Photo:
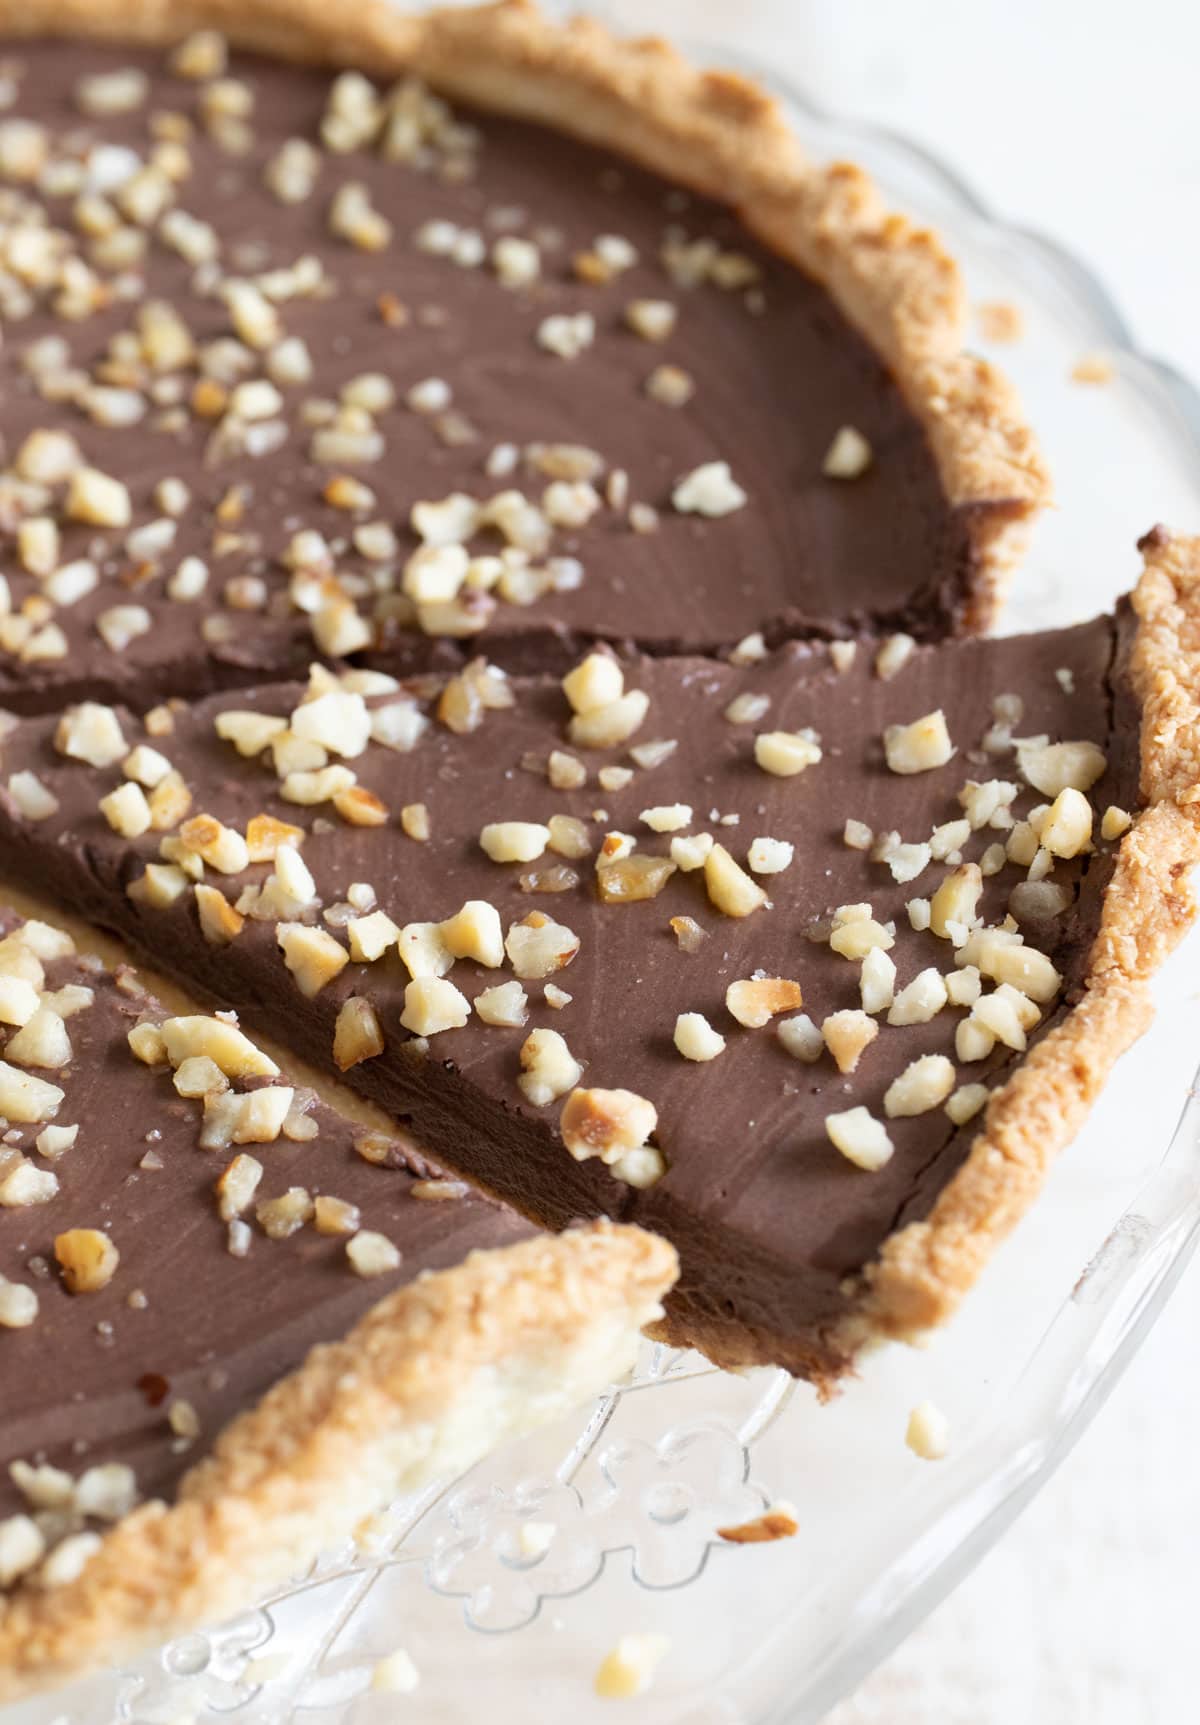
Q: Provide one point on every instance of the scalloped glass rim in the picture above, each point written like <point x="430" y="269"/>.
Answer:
<point x="657" y="1464"/>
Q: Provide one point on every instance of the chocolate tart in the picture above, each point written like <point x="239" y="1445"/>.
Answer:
<point x="271" y="1315"/>
<point x="300" y="363"/>
<point x="808" y="912"/>
<point x="493" y="548"/>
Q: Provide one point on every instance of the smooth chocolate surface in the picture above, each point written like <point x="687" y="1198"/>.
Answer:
<point x="769" y="1218"/>
<point x="775" y="371"/>
<point x="94" y="1378"/>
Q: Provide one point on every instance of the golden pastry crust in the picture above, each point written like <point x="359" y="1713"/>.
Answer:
<point x="714" y="131"/>
<point x="433" y="1377"/>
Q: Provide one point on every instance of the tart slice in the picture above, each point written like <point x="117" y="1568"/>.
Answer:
<point x="301" y="363"/>
<point x="809" y="961"/>
<point x="233" y="1320"/>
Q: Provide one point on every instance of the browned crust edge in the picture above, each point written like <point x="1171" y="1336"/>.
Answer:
<point x="432" y="1378"/>
<point x="714" y="131"/>
<point x="924" y="1270"/>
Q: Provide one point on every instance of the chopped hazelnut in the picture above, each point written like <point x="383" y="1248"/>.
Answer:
<point x="785" y="753"/>
<point x="920" y="746"/>
<point x="550" y="1069"/>
<point x="728" y="885"/>
<point x="22" y="1184"/>
<point x="801" y="1038"/>
<point x="708" y="490"/>
<point x="372" y="1254"/>
<point x="877" y="981"/>
<point x="625" y="876"/>
<point x="507" y="1004"/>
<point x="18" y="1309"/>
<point x="667" y="817"/>
<point x="356" y="1034"/>
<point x="92" y="733"/>
<point x="854" y="936"/>
<point x="221" y="847"/>
<point x="966" y="1102"/>
<point x="201" y="55"/>
<point x="928" y="1432"/>
<point x="147" y="1044"/>
<point x="963" y="987"/>
<point x="756" y="1001"/>
<point x="670" y="385"/>
<point x="311" y="954"/>
<point x="922" y="999"/>
<point x="237" y="1185"/>
<point x="227" y="1046"/>
<point x="54" y="1141"/>
<point x="431" y="1005"/>
<point x="609" y="1124"/>
<point x="19" y="1000"/>
<point x="219" y="921"/>
<point x="861" y="1138"/>
<point x="893" y="655"/>
<point x="280" y="1218"/>
<point x="956" y="900"/>
<point x="159" y="885"/>
<point x="1114" y="823"/>
<point x="265" y="836"/>
<point x="537" y="946"/>
<point x="514" y="841"/>
<point x="925" y="1083"/>
<point x="1008" y="960"/>
<point x="198" y="1075"/>
<point x="688" y="933"/>
<point x="695" y="1037"/>
<point x="1004" y="1016"/>
<point x="1067" y="828"/>
<point x="568" y="837"/>
<point x="33" y="800"/>
<point x="689" y="853"/>
<point x="475" y="932"/>
<point x="565" y="334"/>
<point x="359" y="807"/>
<point x="778" y="1522"/>
<point x="848" y="456"/>
<point x="652" y="319"/>
<point x="41" y="1041"/>
<point x="423" y="948"/>
<point x="1055" y="767"/>
<point x="169" y="802"/>
<point x="88" y="1259"/>
<point x="414" y="820"/>
<point x="628" y="1669"/>
<point x="335" y="1216"/>
<point x="847" y="1035"/>
<point x="97" y="499"/>
<point x="371" y="936"/>
<point x="606" y="726"/>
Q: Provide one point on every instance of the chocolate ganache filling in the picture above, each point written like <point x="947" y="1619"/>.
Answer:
<point x="279" y="349"/>
<point x="194" y="1324"/>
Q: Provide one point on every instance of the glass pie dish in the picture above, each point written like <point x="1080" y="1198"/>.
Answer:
<point x="521" y="1575"/>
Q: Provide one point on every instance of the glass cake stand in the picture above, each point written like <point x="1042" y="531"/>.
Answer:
<point x="636" y="1485"/>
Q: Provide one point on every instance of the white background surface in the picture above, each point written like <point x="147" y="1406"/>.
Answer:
<point x="1080" y="119"/>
